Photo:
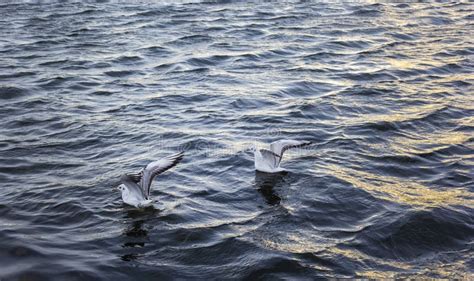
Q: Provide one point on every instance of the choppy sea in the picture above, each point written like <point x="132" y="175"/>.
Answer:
<point x="89" y="91"/>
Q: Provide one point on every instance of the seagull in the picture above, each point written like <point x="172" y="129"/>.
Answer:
<point x="268" y="161"/>
<point x="135" y="188"/>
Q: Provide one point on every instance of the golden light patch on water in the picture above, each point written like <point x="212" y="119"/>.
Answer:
<point x="455" y="270"/>
<point x="376" y="275"/>
<point x="466" y="121"/>
<point x="406" y="192"/>
<point x="408" y="114"/>
<point x="456" y="77"/>
<point x="361" y="257"/>
<point x="413" y="63"/>
<point x="404" y="64"/>
<point x="429" y="143"/>
<point x="419" y="63"/>
<point x="297" y="243"/>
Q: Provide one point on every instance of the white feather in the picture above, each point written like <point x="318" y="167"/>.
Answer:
<point x="135" y="188"/>
<point x="268" y="161"/>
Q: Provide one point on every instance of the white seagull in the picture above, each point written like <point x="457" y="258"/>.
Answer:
<point x="135" y="188"/>
<point x="268" y="161"/>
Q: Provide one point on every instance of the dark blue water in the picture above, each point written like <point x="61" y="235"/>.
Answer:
<point x="90" y="91"/>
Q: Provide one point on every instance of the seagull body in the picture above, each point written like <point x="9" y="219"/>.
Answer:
<point x="135" y="188"/>
<point x="268" y="161"/>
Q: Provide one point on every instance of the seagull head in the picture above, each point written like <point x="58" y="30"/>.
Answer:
<point x="122" y="188"/>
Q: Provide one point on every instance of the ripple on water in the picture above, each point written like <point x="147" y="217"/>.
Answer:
<point x="419" y="234"/>
<point x="11" y="92"/>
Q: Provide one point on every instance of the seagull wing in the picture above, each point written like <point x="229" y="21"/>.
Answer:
<point x="136" y="178"/>
<point x="131" y="182"/>
<point x="270" y="158"/>
<point x="155" y="168"/>
<point x="279" y="147"/>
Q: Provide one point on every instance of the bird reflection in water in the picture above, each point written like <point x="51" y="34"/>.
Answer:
<point x="135" y="235"/>
<point x="265" y="184"/>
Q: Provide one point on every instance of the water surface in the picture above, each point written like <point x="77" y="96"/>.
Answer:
<point x="90" y="91"/>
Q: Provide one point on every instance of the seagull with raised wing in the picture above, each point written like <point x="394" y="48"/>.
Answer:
<point x="135" y="188"/>
<point x="268" y="160"/>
